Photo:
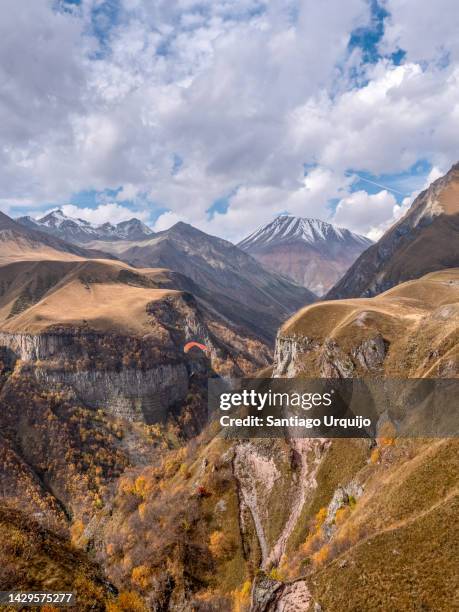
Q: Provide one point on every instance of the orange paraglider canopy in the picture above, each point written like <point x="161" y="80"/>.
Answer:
<point x="190" y="345"/>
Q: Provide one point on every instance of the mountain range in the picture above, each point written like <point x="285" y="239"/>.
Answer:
<point x="309" y="252"/>
<point x="114" y="483"/>
<point x="18" y="242"/>
<point x="424" y="240"/>
<point x="80" y="231"/>
<point x="224" y="276"/>
<point x="240" y="293"/>
<point x="313" y="253"/>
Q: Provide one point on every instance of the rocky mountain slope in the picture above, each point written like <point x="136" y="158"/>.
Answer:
<point x="288" y="524"/>
<point x="366" y="502"/>
<point x="216" y="524"/>
<point x="19" y="243"/>
<point x="424" y="240"/>
<point x="410" y="331"/>
<point x="114" y="485"/>
<point x="225" y="277"/>
<point x="79" y="231"/>
<point x="313" y="253"/>
<point x="50" y="308"/>
<point x="94" y="382"/>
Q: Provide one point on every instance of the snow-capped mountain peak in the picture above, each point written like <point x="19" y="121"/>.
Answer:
<point x="286" y="229"/>
<point x="133" y="229"/>
<point x="312" y="252"/>
<point x="77" y="230"/>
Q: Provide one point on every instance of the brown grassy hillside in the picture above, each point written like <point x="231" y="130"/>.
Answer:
<point x="112" y="297"/>
<point x="412" y="330"/>
<point x="105" y="295"/>
<point x="198" y="526"/>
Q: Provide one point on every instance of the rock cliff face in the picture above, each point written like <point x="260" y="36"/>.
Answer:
<point x="144" y="393"/>
<point x="130" y="394"/>
<point x="366" y="356"/>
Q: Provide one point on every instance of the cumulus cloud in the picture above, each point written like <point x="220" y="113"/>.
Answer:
<point x="367" y="214"/>
<point x="166" y="220"/>
<point x="246" y="94"/>
<point x="426" y="31"/>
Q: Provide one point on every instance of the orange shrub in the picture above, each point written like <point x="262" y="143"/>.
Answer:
<point x="241" y="597"/>
<point x="321" y="516"/>
<point x="342" y="514"/>
<point x="375" y="455"/>
<point x="77" y="534"/>
<point x="321" y="556"/>
<point x="312" y="543"/>
<point x="140" y="486"/>
<point x="221" y="545"/>
<point x="142" y="509"/>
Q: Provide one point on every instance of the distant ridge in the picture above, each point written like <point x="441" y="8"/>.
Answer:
<point x="227" y="278"/>
<point x="18" y="242"/>
<point x="80" y="231"/>
<point x="425" y="240"/>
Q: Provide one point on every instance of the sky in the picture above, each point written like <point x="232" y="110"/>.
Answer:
<point x="226" y="113"/>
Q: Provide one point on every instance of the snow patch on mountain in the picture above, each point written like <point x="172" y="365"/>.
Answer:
<point x="286" y="229"/>
<point x="79" y="230"/>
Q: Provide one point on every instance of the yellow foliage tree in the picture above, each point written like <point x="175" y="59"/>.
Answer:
<point x="321" y="516"/>
<point x="241" y="597"/>
<point x="127" y="601"/>
<point x="140" y="486"/>
<point x="312" y="542"/>
<point x="141" y="576"/>
<point x="142" y="509"/>
<point x="321" y="556"/>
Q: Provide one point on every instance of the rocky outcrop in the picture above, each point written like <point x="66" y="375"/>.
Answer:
<point x="264" y="593"/>
<point x="274" y="596"/>
<point x="332" y="361"/>
<point x="29" y="347"/>
<point x="344" y="495"/>
<point x="293" y="597"/>
<point x="288" y="350"/>
<point x="371" y="353"/>
<point x="259" y="470"/>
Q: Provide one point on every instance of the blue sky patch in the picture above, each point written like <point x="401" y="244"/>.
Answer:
<point x="367" y="38"/>
<point x="400" y="184"/>
<point x="220" y="206"/>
